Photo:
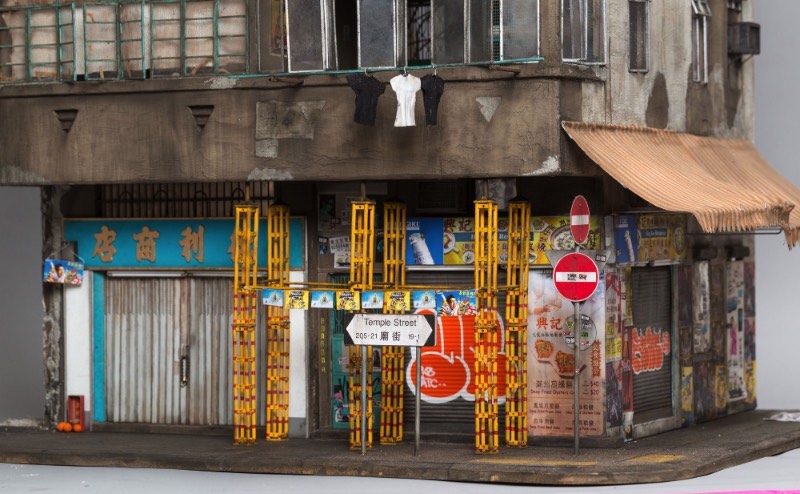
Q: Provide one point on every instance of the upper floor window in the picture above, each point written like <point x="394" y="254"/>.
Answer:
<point x="583" y="31"/>
<point x="393" y="33"/>
<point x="639" y="56"/>
<point x="700" y="14"/>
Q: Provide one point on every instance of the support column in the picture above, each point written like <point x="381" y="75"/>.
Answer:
<point x="392" y="358"/>
<point x="362" y="247"/>
<point x="516" y="337"/>
<point x="244" y="323"/>
<point x="486" y="327"/>
<point x="278" y="331"/>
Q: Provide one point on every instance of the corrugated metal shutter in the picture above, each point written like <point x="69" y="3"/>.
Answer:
<point x="652" y="307"/>
<point x="150" y="324"/>
<point x="458" y="415"/>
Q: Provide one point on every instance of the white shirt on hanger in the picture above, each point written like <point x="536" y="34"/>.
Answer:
<point x="406" y="87"/>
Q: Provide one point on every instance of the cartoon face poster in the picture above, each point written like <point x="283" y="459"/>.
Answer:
<point x="297" y="299"/>
<point x="348" y="300"/>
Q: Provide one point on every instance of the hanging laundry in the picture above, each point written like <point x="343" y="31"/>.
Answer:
<point x="432" y="89"/>
<point x="406" y="87"/>
<point x="368" y="89"/>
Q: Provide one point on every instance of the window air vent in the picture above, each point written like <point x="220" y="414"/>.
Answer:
<point x="440" y="196"/>
<point x="744" y="38"/>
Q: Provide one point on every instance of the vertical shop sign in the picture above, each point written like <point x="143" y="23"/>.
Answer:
<point x="551" y="363"/>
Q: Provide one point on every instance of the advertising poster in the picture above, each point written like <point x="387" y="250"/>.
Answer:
<point x="613" y="394"/>
<point x="720" y="390"/>
<point x="701" y="306"/>
<point x="685" y="295"/>
<point x="553" y="233"/>
<point x="424" y="241"/>
<point x="750" y="382"/>
<point x="459" y="241"/>
<point x="551" y="363"/>
<point x="272" y="297"/>
<point x="649" y="237"/>
<point x="348" y="300"/>
<point x="340" y="248"/>
<point x="397" y="301"/>
<point x="735" y="330"/>
<point x="703" y="391"/>
<point x="63" y="272"/>
<point x="613" y="316"/>
<point x="749" y="289"/>
<point x="323" y="299"/>
<point x="687" y="395"/>
<point x="296" y="299"/>
<point x="372" y="300"/>
<point x="457" y="303"/>
<point x="423" y="300"/>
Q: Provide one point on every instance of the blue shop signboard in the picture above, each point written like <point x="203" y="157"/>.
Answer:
<point x="169" y="243"/>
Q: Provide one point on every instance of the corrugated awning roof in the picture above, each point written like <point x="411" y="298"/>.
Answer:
<point x="725" y="183"/>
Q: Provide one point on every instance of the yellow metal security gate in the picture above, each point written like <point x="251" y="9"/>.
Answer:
<point x="168" y="351"/>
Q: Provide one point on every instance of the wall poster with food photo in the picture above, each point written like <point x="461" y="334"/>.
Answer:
<point x="551" y="362"/>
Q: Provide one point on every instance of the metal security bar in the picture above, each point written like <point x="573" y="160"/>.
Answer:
<point x="362" y="246"/>
<point x="519" y="234"/>
<point x="486" y="327"/>
<point x="124" y="40"/>
<point x="277" y="384"/>
<point x="245" y="306"/>
<point x="393" y="358"/>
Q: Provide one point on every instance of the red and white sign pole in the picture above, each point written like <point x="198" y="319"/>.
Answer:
<point x="576" y="277"/>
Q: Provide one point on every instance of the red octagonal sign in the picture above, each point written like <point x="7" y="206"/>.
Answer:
<point x="576" y="277"/>
<point x="579" y="220"/>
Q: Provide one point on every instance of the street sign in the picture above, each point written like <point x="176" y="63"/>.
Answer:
<point x="576" y="277"/>
<point x="390" y="329"/>
<point x="579" y="220"/>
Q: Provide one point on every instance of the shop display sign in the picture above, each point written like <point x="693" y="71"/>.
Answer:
<point x="553" y="233"/>
<point x="649" y="237"/>
<point x="169" y="244"/>
<point x="551" y="361"/>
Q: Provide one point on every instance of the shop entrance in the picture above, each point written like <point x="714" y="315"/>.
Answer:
<point x="168" y="351"/>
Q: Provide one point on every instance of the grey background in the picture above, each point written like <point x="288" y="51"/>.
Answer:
<point x="778" y="327"/>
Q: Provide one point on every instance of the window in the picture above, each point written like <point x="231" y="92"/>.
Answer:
<point x="393" y="33"/>
<point x="700" y="14"/>
<point x="639" y="36"/>
<point x="583" y="31"/>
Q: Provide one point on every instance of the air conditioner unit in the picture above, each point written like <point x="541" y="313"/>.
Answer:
<point x="744" y="38"/>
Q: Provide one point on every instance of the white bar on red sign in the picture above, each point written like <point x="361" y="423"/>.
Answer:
<point x="579" y="219"/>
<point x="576" y="277"/>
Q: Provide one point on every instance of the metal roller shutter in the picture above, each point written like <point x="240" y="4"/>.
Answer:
<point x="652" y="307"/>
<point x="456" y="415"/>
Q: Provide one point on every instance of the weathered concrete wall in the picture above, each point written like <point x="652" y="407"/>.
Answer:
<point x="492" y="127"/>
<point x="666" y="96"/>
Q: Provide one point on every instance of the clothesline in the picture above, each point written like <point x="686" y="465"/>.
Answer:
<point x="406" y="69"/>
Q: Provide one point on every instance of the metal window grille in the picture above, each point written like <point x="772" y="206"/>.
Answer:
<point x="124" y="40"/>
<point x="179" y="200"/>
<point x="419" y="32"/>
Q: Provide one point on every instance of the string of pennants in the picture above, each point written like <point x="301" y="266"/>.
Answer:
<point x="447" y="303"/>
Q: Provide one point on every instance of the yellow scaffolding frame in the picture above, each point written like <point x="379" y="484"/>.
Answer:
<point x="278" y="330"/>
<point x="392" y="358"/>
<point x="516" y="335"/>
<point x="486" y="327"/>
<point x="362" y="246"/>
<point x="245" y="272"/>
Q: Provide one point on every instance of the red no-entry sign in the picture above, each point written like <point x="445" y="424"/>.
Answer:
<point x="576" y="277"/>
<point x="579" y="220"/>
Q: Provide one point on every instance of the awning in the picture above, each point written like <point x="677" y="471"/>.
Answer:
<point x="725" y="183"/>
